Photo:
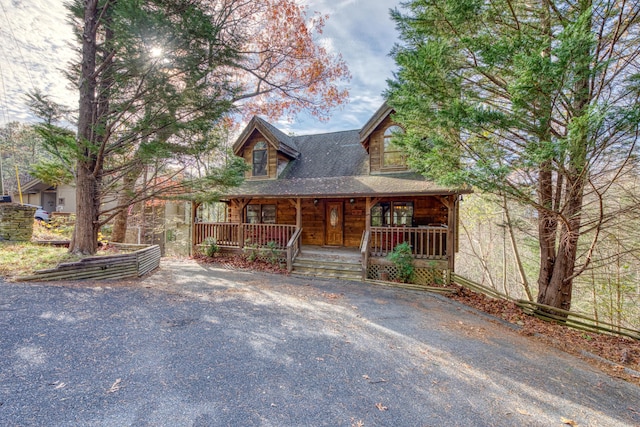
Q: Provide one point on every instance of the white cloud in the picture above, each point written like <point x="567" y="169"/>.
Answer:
<point x="35" y="37"/>
<point x="34" y="49"/>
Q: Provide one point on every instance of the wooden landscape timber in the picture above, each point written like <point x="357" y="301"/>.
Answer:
<point x="551" y="314"/>
<point x="121" y="266"/>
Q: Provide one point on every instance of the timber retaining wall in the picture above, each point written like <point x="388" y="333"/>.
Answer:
<point x="134" y="264"/>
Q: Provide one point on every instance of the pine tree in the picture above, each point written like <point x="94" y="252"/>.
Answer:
<point x="534" y="101"/>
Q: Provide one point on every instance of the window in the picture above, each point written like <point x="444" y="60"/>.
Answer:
<point x="261" y="214"/>
<point x="260" y="158"/>
<point x="392" y="155"/>
<point x="392" y="214"/>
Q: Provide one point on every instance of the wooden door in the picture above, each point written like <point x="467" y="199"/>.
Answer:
<point x="334" y="224"/>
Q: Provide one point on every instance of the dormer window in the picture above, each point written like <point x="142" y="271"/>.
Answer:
<point x="260" y="158"/>
<point x="392" y="155"/>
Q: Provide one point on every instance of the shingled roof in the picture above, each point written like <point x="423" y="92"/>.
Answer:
<point x="404" y="184"/>
<point x="328" y="155"/>
<point x="331" y="164"/>
<point x="281" y="141"/>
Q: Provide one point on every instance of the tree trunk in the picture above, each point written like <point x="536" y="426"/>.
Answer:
<point x="516" y="252"/>
<point x="85" y="234"/>
<point x="120" y="222"/>
<point x="558" y="290"/>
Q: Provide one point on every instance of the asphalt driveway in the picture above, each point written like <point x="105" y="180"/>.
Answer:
<point x="203" y="346"/>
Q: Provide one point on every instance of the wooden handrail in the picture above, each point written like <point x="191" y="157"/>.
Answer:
<point x="235" y="235"/>
<point x="365" y="247"/>
<point x="293" y="248"/>
<point x="425" y="242"/>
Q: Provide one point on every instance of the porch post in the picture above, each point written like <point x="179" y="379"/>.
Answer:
<point x="298" y="213"/>
<point x="367" y="215"/>
<point x="451" y="226"/>
<point x="241" y="203"/>
<point x="194" y="208"/>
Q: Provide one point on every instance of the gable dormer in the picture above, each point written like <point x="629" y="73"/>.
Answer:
<point x="376" y="136"/>
<point x="265" y="149"/>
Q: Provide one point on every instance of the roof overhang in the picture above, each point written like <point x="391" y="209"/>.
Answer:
<point x="342" y="187"/>
<point x="257" y="124"/>
<point x="383" y="112"/>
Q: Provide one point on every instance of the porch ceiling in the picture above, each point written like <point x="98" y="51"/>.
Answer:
<point x="343" y="186"/>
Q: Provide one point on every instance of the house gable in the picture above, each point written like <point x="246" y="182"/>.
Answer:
<point x="372" y="138"/>
<point x="280" y="148"/>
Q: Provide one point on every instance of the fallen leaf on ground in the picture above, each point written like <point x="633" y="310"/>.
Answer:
<point x="568" y="421"/>
<point x="381" y="407"/>
<point x="115" y="386"/>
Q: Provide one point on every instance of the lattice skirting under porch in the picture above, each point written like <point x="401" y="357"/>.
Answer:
<point x="422" y="275"/>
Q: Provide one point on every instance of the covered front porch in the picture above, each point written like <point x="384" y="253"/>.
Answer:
<point x="369" y="226"/>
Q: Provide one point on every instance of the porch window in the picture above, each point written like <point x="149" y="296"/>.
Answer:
<point x="261" y="214"/>
<point x="392" y="155"/>
<point x="392" y="214"/>
<point x="260" y="158"/>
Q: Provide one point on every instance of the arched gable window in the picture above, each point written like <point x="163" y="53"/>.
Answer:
<point x="260" y="158"/>
<point x="392" y="155"/>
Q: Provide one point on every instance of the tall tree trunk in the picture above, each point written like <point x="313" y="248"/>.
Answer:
<point x="557" y="292"/>
<point x="85" y="236"/>
<point x="120" y="222"/>
<point x="92" y="125"/>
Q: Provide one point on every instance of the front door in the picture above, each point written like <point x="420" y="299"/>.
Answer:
<point x="334" y="224"/>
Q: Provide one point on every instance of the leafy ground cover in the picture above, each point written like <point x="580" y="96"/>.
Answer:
<point x="19" y="258"/>
<point x="616" y="353"/>
<point x="620" y="352"/>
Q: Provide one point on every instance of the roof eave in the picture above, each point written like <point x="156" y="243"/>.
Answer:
<point x="382" y="113"/>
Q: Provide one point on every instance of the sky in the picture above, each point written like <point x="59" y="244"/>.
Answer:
<point x="35" y="47"/>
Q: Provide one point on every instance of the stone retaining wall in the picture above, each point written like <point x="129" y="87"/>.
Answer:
<point x="16" y="222"/>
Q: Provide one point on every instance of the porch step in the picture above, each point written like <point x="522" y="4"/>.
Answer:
<point x="333" y="269"/>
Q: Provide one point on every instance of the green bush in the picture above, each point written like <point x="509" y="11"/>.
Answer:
<point x="250" y="250"/>
<point x="211" y="247"/>
<point x="402" y="258"/>
<point x="270" y="252"/>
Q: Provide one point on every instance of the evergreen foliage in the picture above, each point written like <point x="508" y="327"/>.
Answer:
<point x="534" y="101"/>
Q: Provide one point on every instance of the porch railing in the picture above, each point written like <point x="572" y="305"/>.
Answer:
<point x="293" y="248"/>
<point x="225" y="234"/>
<point x="239" y="235"/>
<point x="425" y="242"/>
<point x="365" y="248"/>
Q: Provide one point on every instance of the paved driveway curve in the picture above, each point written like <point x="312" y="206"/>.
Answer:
<point x="196" y="345"/>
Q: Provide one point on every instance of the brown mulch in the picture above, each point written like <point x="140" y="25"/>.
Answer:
<point x="241" y="263"/>
<point x="620" y="352"/>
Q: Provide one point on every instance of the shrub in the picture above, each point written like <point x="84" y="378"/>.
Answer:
<point x="211" y="247"/>
<point x="402" y="258"/>
<point x="250" y="250"/>
<point x="270" y="252"/>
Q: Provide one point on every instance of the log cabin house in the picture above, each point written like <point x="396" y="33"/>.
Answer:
<point x="347" y="190"/>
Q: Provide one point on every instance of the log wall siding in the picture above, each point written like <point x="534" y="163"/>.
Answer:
<point x="426" y="210"/>
<point x="376" y="148"/>
<point x="272" y="161"/>
<point x="354" y="222"/>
